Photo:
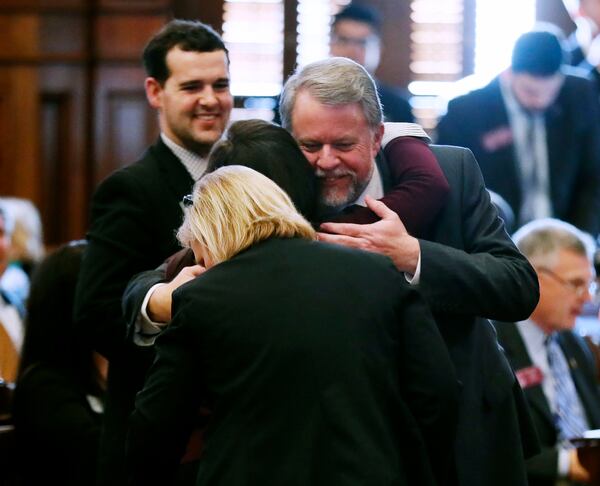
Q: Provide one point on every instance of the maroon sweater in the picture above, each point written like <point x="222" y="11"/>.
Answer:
<point x="419" y="191"/>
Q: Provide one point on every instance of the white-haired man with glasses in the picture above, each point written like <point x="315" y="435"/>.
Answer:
<point x="553" y="364"/>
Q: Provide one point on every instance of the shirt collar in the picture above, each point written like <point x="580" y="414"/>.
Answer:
<point x="532" y="333"/>
<point x="374" y="187"/>
<point x="194" y="164"/>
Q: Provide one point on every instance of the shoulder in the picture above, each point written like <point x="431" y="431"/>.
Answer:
<point x="473" y="98"/>
<point x="454" y="160"/>
<point x="146" y="166"/>
<point x="576" y="76"/>
<point x="578" y="87"/>
<point x="41" y="379"/>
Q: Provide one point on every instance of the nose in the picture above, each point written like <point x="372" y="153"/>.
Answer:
<point x="327" y="158"/>
<point x="207" y="97"/>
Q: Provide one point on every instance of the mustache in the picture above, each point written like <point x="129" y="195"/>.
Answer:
<point x="338" y="172"/>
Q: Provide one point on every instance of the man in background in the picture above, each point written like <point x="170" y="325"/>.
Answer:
<point x="466" y="267"/>
<point x="136" y="210"/>
<point x="11" y="312"/>
<point x="583" y="45"/>
<point x="535" y="131"/>
<point x="356" y="34"/>
<point x="553" y="364"/>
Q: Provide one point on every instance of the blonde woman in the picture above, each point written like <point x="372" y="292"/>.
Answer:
<point x="320" y="364"/>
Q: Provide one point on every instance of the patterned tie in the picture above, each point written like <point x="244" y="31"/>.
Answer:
<point x="569" y="416"/>
<point x="530" y="183"/>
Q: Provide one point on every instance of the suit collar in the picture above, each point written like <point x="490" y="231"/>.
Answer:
<point x="519" y="358"/>
<point x="384" y="171"/>
<point x="174" y="172"/>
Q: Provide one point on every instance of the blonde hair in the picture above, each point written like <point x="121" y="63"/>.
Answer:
<point x="235" y="207"/>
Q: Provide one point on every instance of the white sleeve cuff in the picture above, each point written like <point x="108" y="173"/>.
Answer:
<point x="146" y="330"/>
<point x="564" y="462"/>
<point x="416" y="277"/>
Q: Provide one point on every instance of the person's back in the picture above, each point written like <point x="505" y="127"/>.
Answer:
<point x="320" y="364"/>
<point x="308" y="379"/>
<point x="58" y="399"/>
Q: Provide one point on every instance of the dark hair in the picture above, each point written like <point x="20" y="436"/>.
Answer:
<point x="188" y="35"/>
<point x="359" y="13"/>
<point x="272" y="151"/>
<point x="50" y="337"/>
<point x="539" y="53"/>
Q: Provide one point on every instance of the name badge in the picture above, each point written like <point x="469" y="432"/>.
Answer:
<point x="497" y="139"/>
<point x="530" y="376"/>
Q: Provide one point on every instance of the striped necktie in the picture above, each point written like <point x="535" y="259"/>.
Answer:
<point x="569" y="416"/>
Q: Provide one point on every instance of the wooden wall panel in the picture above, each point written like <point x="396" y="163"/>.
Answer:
<point x="125" y="124"/>
<point x="63" y="37"/>
<point x="395" y="54"/>
<point x="65" y="188"/>
<point x="72" y="106"/>
<point x="56" y="137"/>
<point x="123" y="37"/>
<point x="19" y="37"/>
<point x="19" y="150"/>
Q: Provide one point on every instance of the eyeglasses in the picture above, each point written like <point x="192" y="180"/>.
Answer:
<point x="577" y="287"/>
<point x="353" y="41"/>
<point x="187" y="201"/>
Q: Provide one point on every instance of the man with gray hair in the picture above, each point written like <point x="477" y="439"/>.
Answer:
<point x="467" y="268"/>
<point x="11" y="309"/>
<point x="553" y="364"/>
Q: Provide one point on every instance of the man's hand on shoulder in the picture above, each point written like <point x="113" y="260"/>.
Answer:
<point x="159" y="304"/>
<point x="387" y="236"/>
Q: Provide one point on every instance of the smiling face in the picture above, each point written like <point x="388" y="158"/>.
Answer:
<point x="195" y="103"/>
<point x="339" y="144"/>
<point x="560" y="302"/>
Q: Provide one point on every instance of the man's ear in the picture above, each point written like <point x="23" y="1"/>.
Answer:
<point x="377" y="137"/>
<point x="153" y="92"/>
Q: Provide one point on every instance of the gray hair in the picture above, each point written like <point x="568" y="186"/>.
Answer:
<point x="334" y="81"/>
<point x="8" y="221"/>
<point x="542" y="239"/>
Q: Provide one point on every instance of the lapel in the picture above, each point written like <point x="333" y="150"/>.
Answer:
<point x="587" y="394"/>
<point x="518" y="356"/>
<point x="172" y="170"/>
<point x="384" y="171"/>
<point x="505" y="158"/>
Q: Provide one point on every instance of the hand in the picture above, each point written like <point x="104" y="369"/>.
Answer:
<point x="387" y="236"/>
<point x="159" y="304"/>
<point x="577" y="472"/>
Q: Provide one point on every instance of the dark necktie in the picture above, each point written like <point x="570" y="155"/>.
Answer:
<point x="530" y="175"/>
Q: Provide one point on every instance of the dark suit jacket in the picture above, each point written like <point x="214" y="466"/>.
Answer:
<point x="135" y="213"/>
<point x="317" y="360"/>
<point x="55" y="427"/>
<point x="396" y="107"/>
<point x="573" y="137"/>
<point x="577" y="59"/>
<point x="471" y="270"/>
<point x="467" y="244"/>
<point x="542" y="469"/>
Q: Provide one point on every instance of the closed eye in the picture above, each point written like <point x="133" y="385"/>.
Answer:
<point x="310" y="147"/>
